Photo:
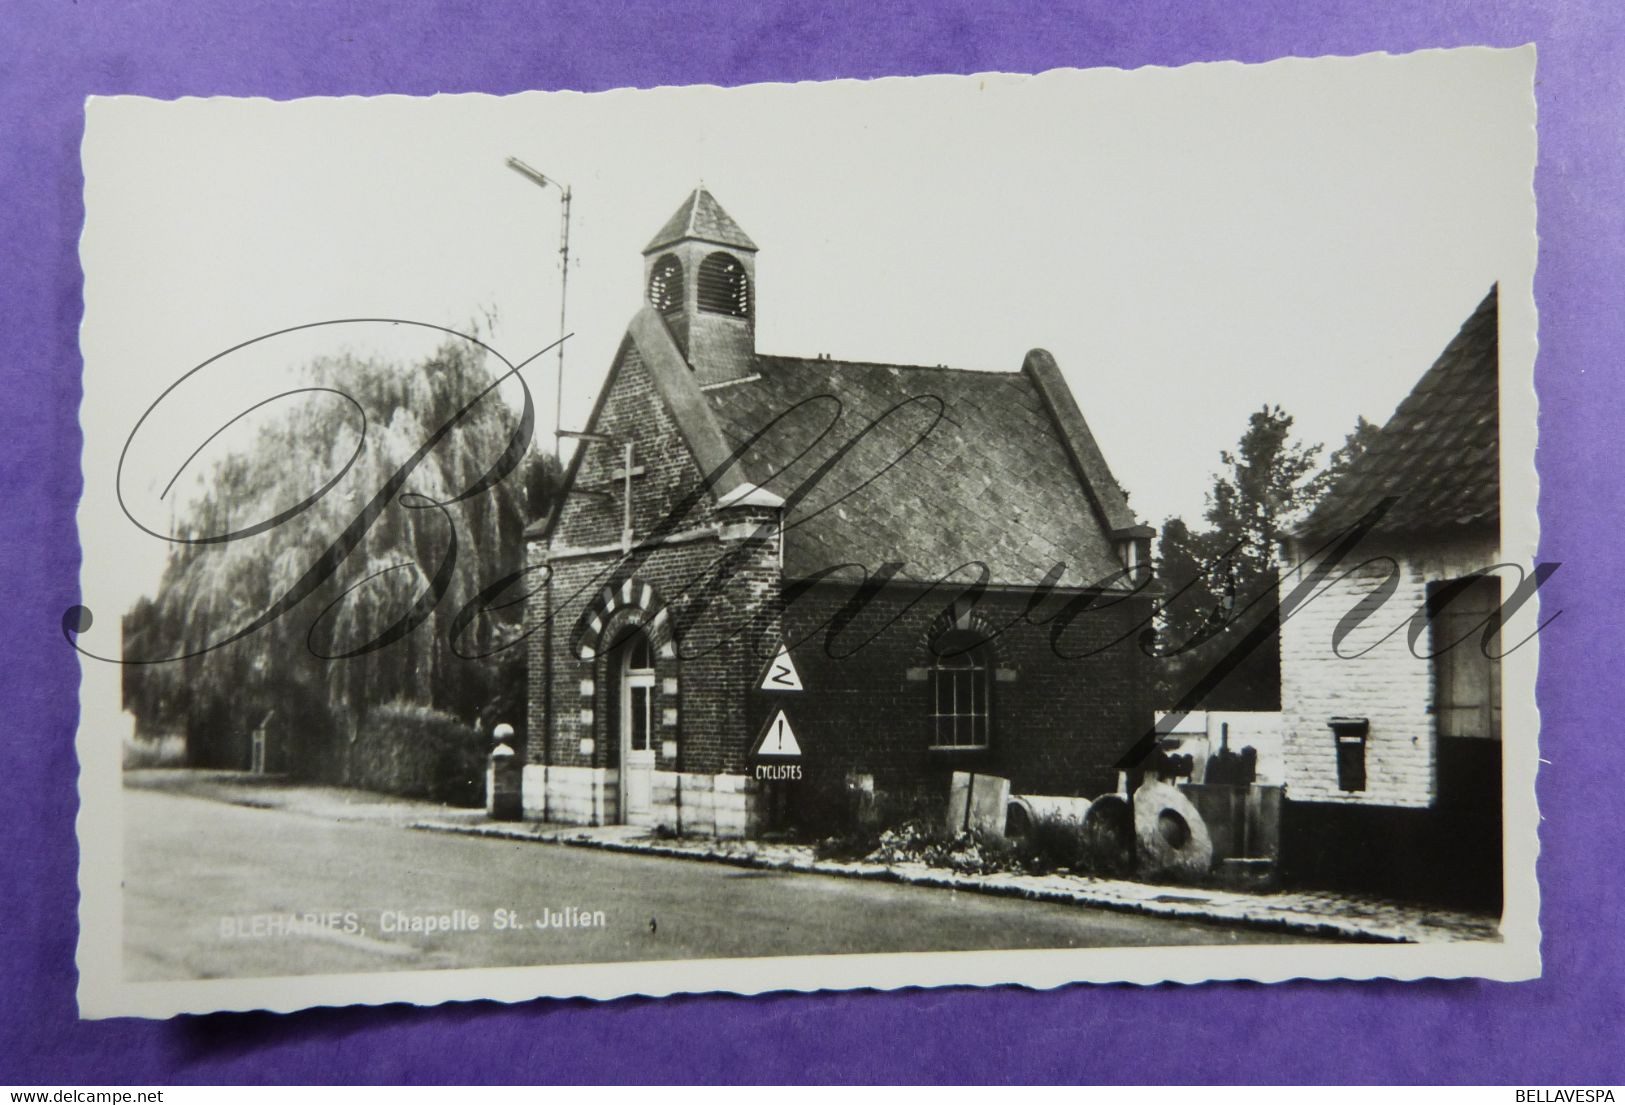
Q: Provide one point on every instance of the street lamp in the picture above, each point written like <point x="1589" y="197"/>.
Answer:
<point x="542" y="181"/>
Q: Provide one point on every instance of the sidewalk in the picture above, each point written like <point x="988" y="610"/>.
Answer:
<point x="1316" y="913"/>
<point x="1343" y="916"/>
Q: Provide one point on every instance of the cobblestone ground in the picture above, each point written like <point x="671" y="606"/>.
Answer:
<point x="1321" y="913"/>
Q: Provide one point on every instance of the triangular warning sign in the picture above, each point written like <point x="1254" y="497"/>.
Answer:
<point x="778" y="739"/>
<point x="781" y="673"/>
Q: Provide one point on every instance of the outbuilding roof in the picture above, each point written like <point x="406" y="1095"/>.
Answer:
<point x="1439" y="454"/>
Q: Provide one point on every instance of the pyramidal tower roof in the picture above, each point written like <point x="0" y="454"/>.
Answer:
<point x="701" y="217"/>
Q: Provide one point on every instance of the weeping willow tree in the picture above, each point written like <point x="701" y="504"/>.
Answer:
<point x="347" y="602"/>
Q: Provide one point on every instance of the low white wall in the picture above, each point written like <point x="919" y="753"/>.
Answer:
<point x="708" y="805"/>
<point x="1263" y="731"/>
<point x="1201" y="733"/>
<point x="570" y="795"/>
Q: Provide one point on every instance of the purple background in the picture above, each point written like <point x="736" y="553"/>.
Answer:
<point x="1563" y="1028"/>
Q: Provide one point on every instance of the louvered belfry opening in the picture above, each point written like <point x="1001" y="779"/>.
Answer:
<point x="723" y="286"/>
<point x="666" y="285"/>
<point x="699" y="273"/>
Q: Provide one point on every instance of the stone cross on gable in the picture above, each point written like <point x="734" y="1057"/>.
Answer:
<point x="625" y="473"/>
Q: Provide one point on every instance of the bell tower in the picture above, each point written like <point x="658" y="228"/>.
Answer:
<point x="699" y="272"/>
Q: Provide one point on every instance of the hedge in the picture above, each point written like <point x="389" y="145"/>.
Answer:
<point x="419" y="753"/>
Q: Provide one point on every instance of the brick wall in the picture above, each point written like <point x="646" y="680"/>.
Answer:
<point x="1058" y="724"/>
<point x="1382" y="680"/>
<point x="632" y="412"/>
<point x="713" y="589"/>
<point x="717" y="575"/>
<point x="538" y="655"/>
<point x="1060" y="721"/>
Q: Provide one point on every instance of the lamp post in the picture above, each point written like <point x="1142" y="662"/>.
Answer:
<point x="543" y="181"/>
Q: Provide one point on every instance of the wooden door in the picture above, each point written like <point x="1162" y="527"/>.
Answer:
<point x="637" y="730"/>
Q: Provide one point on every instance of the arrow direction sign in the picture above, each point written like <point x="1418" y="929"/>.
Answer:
<point x="778" y="739"/>
<point x="781" y="674"/>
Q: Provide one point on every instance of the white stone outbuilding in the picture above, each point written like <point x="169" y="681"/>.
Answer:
<point x="1392" y="730"/>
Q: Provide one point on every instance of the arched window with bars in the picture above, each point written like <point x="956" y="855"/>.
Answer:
<point x="961" y="682"/>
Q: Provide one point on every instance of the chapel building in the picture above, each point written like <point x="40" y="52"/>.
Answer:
<point x="784" y="592"/>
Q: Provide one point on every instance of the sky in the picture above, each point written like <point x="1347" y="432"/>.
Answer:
<point x="1189" y="243"/>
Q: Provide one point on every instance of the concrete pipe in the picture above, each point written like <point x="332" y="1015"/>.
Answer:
<point x="1170" y="837"/>
<point x="1108" y="835"/>
<point x="1026" y="810"/>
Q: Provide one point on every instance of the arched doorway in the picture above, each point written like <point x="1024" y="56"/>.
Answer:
<point x="625" y="634"/>
<point x="633" y="661"/>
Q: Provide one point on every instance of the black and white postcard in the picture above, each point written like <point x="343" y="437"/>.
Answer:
<point x="962" y="530"/>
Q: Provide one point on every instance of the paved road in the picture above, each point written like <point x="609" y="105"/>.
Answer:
<point x="207" y="885"/>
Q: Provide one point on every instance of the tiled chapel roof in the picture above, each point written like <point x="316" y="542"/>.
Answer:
<point x="960" y="467"/>
<point x="933" y="469"/>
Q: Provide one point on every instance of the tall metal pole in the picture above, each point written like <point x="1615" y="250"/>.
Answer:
<point x="543" y="181"/>
<point x="564" y="287"/>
